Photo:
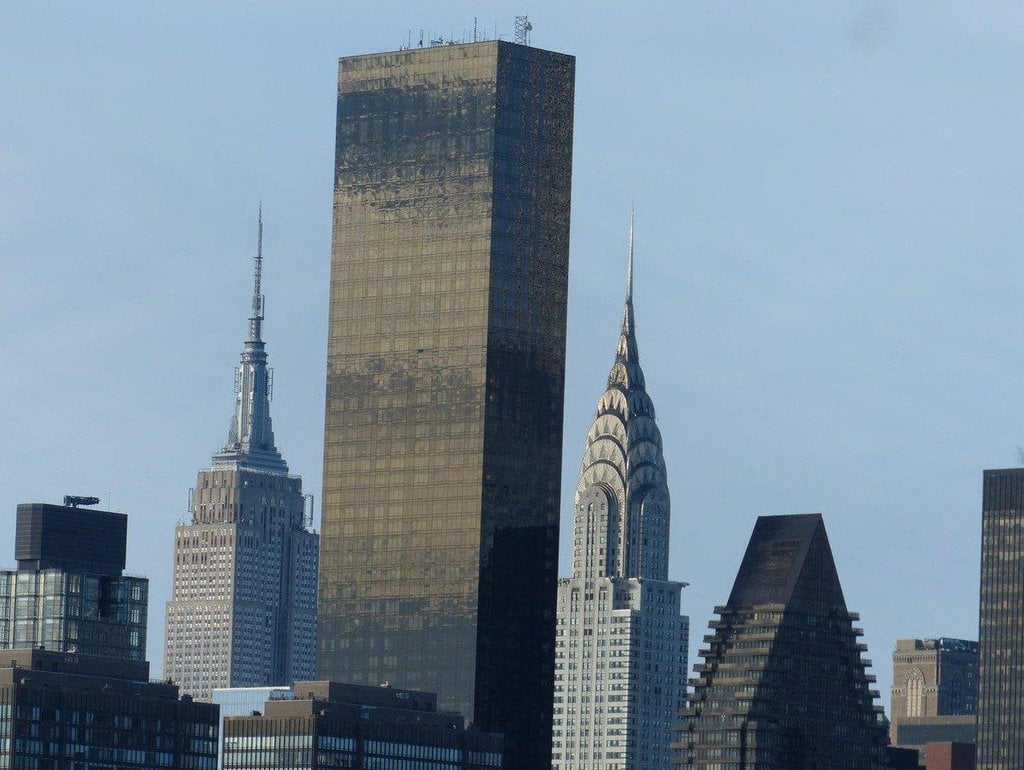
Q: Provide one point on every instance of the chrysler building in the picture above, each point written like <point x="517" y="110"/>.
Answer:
<point x="621" y="644"/>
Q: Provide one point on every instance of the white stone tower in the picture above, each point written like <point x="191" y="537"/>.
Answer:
<point x="621" y="644"/>
<point x="243" y="606"/>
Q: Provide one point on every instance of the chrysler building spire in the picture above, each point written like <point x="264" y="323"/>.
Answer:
<point x="622" y="501"/>
<point x="251" y="436"/>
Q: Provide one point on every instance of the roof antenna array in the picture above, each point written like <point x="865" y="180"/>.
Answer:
<point x="523" y="29"/>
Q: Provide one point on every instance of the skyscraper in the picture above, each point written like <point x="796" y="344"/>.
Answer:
<point x="783" y="685"/>
<point x="446" y="357"/>
<point x="243" y="606"/>
<point x="1001" y="626"/>
<point x="69" y="593"/>
<point x="621" y="644"/>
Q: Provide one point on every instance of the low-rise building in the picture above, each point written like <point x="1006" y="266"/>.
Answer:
<point x="63" y="710"/>
<point x="330" y="725"/>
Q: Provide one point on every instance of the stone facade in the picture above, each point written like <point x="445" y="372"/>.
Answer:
<point x="621" y="643"/>
<point x="243" y="606"/>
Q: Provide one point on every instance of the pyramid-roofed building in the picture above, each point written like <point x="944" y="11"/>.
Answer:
<point x="783" y="685"/>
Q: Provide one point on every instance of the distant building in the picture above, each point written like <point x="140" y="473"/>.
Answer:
<point x="445" y="380"/>
<point x="243" y="605"/>
<point x="65" y="710"/>
<point x="951" y="756"/>
<point x="69" y="593"/>
<point x="1001" y="623"/>
<point x="783" y="684"/>
<point x="620" y="642"/>
<point x="330" y="725"/>
<point x="245" y="701"/>
<point x="934" y="692"/>
<point x="932" y="677"/>
<point x="903" y="759"/>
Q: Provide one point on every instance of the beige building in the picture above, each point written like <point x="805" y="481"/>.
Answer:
<point x="934" y="691"/>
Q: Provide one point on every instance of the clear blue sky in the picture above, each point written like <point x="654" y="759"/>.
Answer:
<point x="828" y="287"/>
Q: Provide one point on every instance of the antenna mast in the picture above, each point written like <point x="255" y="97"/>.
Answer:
<point x="256" y="319"/>
<point x="523" y="29"/>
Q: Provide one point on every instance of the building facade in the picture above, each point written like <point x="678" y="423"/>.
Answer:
<point x="243" y="606"/>
<point x="934" y="692"/>
<point x="69" y="593"/>
<point x="446" y="357"/>
<point x="621" y="644"/>
<point x="783" y="685"/>
<point x="933" y="677"/>
<point x="330" y="725"/>
<point x="1001" y="622"/>
<point x="66" y="711"/>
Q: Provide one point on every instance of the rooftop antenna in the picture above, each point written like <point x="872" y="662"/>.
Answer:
<point x="257" y="296"/>
<point x="523" y="28"/>
<point x="474" y="29"/>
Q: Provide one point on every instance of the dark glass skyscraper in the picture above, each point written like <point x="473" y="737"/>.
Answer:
<point x="446" y="357"/>
<point x="783" y="685"/>
<point x="1001" y="627"/>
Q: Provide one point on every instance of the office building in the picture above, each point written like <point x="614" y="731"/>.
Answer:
<point x="329" y="725"/>
<point x="69" y="592"/>
<point x="78" y="712"/>
<point x="243" y="605"/>
<point x="621" y="644"/>
<point x="934" y="692"/>
<point x="783" y="684"/>
<point x="243" y="702"/>
<point x="445" y="371"/>
<point x="1001" y="623"/>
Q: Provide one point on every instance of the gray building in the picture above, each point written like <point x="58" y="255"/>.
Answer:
<point x="621" y="644"/>
<point x="69" y="593"/>
<point x="331" y="725"/>
<point x="243" y="606"/>
<point x="445" y="372"/>
<point x="1001" y="622"/>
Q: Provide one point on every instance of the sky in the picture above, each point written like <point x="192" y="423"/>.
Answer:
<point x="828" y="273"/>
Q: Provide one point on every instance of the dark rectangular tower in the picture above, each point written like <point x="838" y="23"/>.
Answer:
<point x="69" y="593"/>
<point x="446" y="358"/>
<point x="1001" y="627"/>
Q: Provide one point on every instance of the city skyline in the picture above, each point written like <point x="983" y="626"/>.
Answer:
<point x="900" y="390"/>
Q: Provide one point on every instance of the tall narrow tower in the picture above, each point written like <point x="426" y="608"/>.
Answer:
<point x="243" y="606"/>
<point x="621" y="644"/>
<point x="1001" y="622"/>
<point x="445" y="371"/>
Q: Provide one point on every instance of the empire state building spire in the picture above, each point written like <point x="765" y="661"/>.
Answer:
<point x="251" y="436"/>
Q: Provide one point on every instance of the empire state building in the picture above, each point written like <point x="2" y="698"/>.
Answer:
<point x="243" y="608"/>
